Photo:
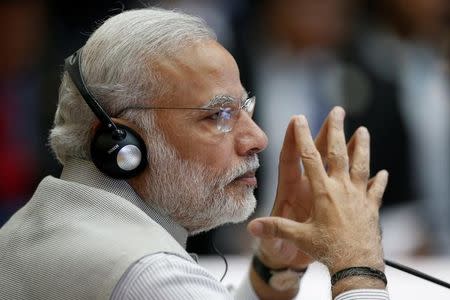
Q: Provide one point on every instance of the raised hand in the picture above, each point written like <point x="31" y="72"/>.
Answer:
<point x="293" y="201"/>
<point x="338" y="223"/>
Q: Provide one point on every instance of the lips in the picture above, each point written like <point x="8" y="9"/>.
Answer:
<point x="248" y="174"/>
<point x="248" y="178"/>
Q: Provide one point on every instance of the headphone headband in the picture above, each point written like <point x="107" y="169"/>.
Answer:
<point x="73" y="66"/>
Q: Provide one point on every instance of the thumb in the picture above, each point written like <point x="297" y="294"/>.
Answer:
<point x="277" y="227"/>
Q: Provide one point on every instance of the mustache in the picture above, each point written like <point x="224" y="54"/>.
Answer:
<point x="250" y="164"/>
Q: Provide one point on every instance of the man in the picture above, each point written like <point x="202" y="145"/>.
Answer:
<point x="163" y="77"/>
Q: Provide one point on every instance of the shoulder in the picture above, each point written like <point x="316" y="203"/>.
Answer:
<point x="168" y="276"/>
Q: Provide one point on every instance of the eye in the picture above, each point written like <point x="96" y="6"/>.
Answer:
<point x="214" y="115"/>
<point x="224" y="113"/>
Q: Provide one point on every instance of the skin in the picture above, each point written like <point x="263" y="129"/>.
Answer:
<point x="334" y="206"/>
<point x="200" y="73"/>
<point x="329" y="213"/>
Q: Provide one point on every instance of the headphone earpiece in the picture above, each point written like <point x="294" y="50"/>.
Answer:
<point x="116" y="150"/>
<point x="119" y="156"/>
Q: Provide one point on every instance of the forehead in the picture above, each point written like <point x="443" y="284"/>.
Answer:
<point x="199" y="73"/>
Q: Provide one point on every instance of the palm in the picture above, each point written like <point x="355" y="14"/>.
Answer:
<point x="293" y="202"/>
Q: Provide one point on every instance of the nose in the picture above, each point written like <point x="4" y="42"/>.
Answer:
<point x="250" y="139"/>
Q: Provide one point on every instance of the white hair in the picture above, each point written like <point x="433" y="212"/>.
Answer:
<point x="117" y="68"/>
<point x="200" y="198"/>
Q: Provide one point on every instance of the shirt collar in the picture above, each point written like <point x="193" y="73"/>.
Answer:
<point x="85" y="172"/>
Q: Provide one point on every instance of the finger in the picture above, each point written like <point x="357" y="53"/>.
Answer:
<point x="276" y="227"/>
<point x="321" y="140"/>
<point x="337" y="157"/>
<point x="351" y="149"/>
<point x="359" y="156"/>
<point x="377" y="186"/>
<point x="310" y="156"/>
<point x="289" y="170"/>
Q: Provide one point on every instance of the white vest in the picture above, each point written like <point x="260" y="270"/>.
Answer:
<point x="74" y="241"/>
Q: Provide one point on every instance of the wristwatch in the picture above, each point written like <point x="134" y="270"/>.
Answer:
<point x="279" y="279"/>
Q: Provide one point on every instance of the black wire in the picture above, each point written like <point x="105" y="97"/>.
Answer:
<point x="416" y="273"/>
<point x="213" y="245"/>
<point x="390" y="263"/>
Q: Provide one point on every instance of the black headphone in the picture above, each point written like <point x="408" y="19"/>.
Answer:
<point x="116" y="150"/>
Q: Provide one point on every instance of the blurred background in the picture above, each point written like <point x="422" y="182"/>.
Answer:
<point x="385" y="61"/>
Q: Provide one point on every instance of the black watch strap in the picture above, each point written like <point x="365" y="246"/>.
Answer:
<point x="265" y="273"/>
<point x="358" y="271"/>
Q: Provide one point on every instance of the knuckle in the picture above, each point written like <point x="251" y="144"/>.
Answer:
<point x="348" y="187"/>
<point x="337" y="153"/>
<point x="339" y="160"/>
<point x="334" y="153"/>
<point x="309" y="153"/>
<point x="360" y="168"/>
<point x="275" y="229"/>
<point x="377" y="192"/>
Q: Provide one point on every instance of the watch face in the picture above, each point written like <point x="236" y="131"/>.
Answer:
<point x="284" y="280"/>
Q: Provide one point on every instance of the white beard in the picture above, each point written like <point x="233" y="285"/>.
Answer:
<point x="191" y="194"/>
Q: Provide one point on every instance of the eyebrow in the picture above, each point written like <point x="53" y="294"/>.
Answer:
<point x="220" y="100"/>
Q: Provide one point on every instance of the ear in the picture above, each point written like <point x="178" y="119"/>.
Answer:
<point x="96" y="124"/>
<point x="127" y="124"/>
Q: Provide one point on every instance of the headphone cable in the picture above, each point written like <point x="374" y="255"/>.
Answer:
<point x="213" y="245"/>
<point x="416" y="273"/>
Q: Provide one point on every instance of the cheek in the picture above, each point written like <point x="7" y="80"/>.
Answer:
<point x="193" y="142"/>
<point x="216" y="156"/>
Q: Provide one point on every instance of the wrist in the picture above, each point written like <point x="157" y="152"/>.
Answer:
<point x="375" y="264"/>
<point x="356" y="282"/>
<point x="280" y="279"/>
<point x="265" y="291"/>
<point x="358" y="277"/>
<point x="370" y="258"/>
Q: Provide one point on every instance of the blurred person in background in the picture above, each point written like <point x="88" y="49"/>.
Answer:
<point x="397" y="84"/>
<point x="292" y="47"/>
<point x="38" y="34"/>
<point x="22" y="118"/>
<point x="217" y="13"/>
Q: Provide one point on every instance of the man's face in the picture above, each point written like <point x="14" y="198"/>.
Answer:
<point x="198" y="175"/>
